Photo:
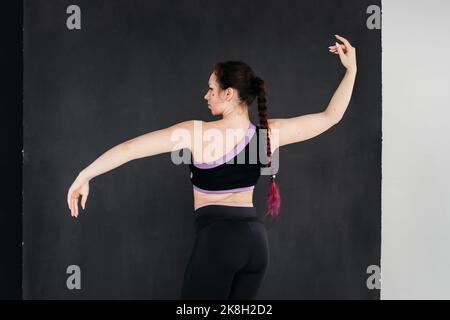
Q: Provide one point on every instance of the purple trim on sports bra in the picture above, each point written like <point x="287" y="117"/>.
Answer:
<point x="230" y="155"/>
<point x="224" y="191"/>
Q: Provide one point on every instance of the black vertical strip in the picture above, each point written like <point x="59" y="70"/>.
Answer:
<point x="11" y="146"/>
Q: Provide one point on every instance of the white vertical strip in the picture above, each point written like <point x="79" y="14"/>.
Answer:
<point x="415" y="258"/>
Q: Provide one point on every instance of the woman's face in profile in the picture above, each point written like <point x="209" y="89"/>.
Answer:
<point x="213" y="96"/>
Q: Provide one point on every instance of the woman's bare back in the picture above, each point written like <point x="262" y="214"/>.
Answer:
<point x="221" y="146"/>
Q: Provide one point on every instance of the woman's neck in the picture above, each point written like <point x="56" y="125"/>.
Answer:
<point x="237" y="115"/>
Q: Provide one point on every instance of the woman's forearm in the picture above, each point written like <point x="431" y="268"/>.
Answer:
<point x="341" y="97"/>
<point x="109" y="160"/>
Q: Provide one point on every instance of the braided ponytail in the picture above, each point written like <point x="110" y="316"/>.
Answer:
<point x="273" y="195"/>
<point x="239" y="75"/>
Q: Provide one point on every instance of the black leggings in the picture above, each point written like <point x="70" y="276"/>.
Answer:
<point x="230" y="254"/>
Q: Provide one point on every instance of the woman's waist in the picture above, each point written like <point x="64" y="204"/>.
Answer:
<point x="243" y="198"/>
<point x="235" y="196"/>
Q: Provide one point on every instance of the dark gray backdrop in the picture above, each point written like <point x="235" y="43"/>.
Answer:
<point x="139" y="66"/>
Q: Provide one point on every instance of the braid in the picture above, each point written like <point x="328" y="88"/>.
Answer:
<point x="262" y="112"/>
<point x="273" y="199"/>
<point x="239" y="75"/>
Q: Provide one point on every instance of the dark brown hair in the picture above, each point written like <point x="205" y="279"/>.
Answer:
<point x="238" y="75"/>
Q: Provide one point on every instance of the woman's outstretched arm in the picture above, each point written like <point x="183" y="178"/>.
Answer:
<point x="291" y="130"/>
<point x="169" y="139"/>
<point x="146" y="145"/>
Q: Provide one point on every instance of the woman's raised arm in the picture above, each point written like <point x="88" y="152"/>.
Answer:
<point x="291" y="130"/>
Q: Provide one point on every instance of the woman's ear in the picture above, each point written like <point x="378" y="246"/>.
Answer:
<point x="229" y="93"/>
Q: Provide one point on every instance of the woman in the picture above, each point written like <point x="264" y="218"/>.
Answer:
<point x="230" y="254"/>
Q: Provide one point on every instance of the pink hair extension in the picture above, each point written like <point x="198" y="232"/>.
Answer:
<point x="273" y="198"/>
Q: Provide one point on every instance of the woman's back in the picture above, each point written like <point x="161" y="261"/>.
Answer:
<point x="225" y="162"/>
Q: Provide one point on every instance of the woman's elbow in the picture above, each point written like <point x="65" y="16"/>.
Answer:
<point x="337" y="119"/>
<point x="334" y="118"/>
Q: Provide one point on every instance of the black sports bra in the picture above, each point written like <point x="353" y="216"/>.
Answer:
<point x="238" y="170"/>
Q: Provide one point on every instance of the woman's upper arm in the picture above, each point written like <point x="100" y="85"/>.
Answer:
<point x="296" y="129"/>
<point x="175" y="137"/>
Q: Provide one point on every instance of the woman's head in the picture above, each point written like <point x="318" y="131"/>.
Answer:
<point x="231" y="84"/>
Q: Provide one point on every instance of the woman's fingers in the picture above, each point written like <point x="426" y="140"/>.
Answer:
<point x="335" y="51"/>
<point x="73" y="198"/>
<point x="72" y="207"/>
<point x="346" y="52"/>
<point x="83" y="201"/>
<point x="68" y="198"/>
<point x="69" y="202"/>
<point x="334" y="48"/>
<point x="339" y="49"/>
<point x="345" y="41"/>
<point x="342" y="56"/>
<point x="75" y="204"/>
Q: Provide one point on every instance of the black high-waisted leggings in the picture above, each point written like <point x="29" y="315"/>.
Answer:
<point x="230" y="254"/>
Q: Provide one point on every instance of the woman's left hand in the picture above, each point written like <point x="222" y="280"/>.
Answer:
<point x="346" y="52"/>
<point x="80" y="187"/>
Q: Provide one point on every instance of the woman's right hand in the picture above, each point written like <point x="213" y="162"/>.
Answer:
<point x="346" y="52"/>
<point x="79" y="187"/>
